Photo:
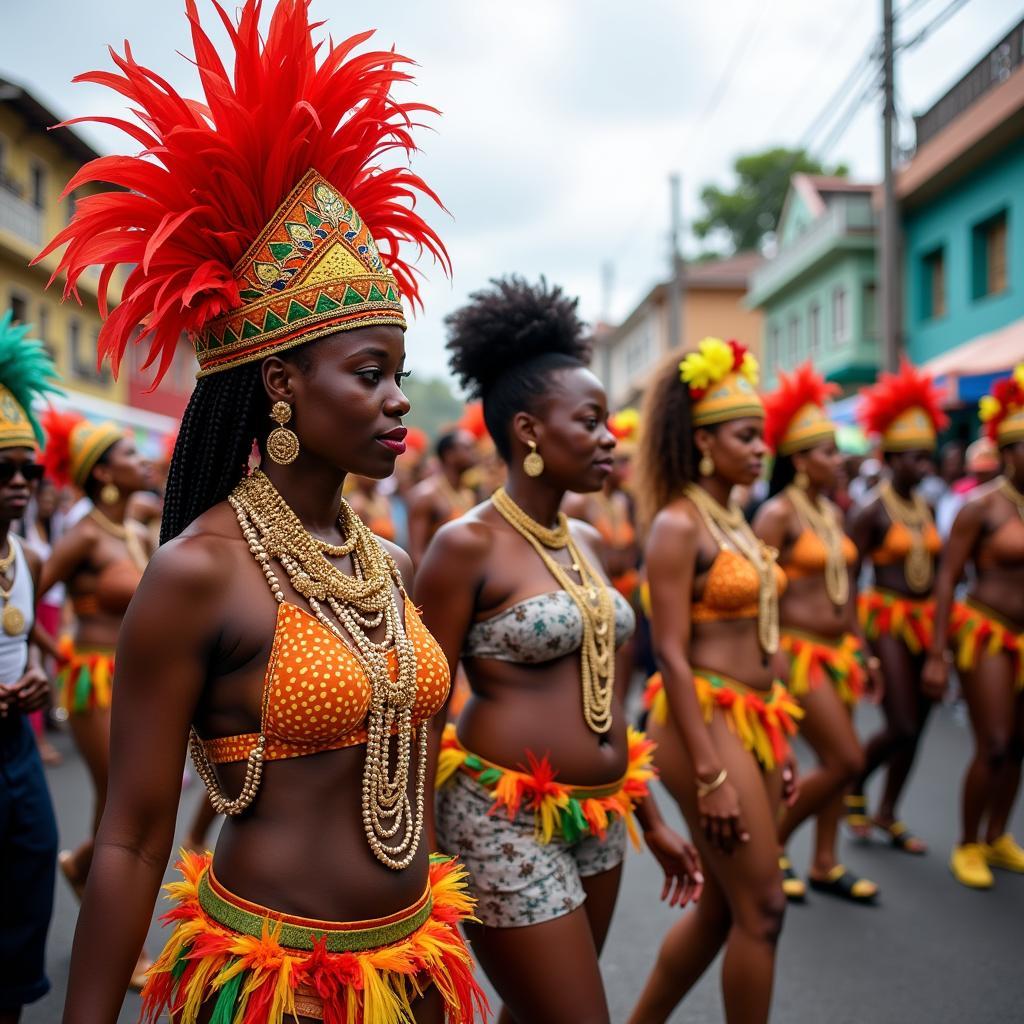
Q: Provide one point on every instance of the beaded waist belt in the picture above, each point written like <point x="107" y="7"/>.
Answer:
<point x="305" y="933"/>
<point x="911" y="619"/>
<point x="976" y="630"/>
<point x="569" y="812"/>
<point x="815" y="660"/>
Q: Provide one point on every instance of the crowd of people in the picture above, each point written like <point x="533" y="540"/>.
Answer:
<point x="415" y="680"/>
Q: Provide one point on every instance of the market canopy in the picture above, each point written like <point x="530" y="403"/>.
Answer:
<point x="968" y="371"/>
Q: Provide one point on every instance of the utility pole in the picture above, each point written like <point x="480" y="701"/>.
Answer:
<point x="676" y="338"/>
<point x="888" y="262"/>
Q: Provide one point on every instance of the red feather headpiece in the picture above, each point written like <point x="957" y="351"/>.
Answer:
<point x="903" y="410"/>
<point x="472" y="420"/>
<point x="74" y="445"/>
<point x="794" y="414"/>
<point x="259" y="217"/>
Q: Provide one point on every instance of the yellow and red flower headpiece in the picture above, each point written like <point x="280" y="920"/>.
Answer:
<point x="257" y="218"/>
<point x="722" y="377"/>
<point x="625" y="426"/>
<point x="74" y="445"/>
<point x="1002" y="411"/>
<point x="794" y="414"/>
<point x="902" y="410"/>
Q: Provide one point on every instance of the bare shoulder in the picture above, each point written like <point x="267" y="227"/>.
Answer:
<point x="575" y="505"/>
<point x="775" y="512"/>
<point x="468" y="538"/>
<point x="582" y="530"/>
<point x="402" y="560"/>
<point x="677" y="522"/>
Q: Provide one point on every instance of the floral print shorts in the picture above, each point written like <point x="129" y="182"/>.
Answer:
<point x="518" y="881"/>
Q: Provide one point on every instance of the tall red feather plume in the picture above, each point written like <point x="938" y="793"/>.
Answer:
<point x="1010" y="396"/>
<point x="56" y="457"/>
<point x="895" y="393"/>
<point x="211" y="173"/>
<point x="802" y="387"/>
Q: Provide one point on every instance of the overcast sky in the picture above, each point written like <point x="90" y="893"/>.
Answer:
<point x="562" y="118"/>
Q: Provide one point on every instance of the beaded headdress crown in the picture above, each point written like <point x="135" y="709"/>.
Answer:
<point x="27" y="373"/>
<point x="260" y="217"/>
<point x="1002" y="411"/>
<point x="722" y="377"/>
<point x="795" y="416"/>
<point x="903" y="410"/>
<point x="74" y="445"/>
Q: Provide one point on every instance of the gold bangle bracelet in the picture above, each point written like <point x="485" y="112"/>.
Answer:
<point x="707" y="788"/>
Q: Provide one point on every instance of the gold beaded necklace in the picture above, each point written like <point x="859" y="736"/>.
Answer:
<point x="593" y="598"/>
<point x="820" y="519"/>
<point x="915" y="517"/>
<point x="360" y="603"/>
<point x="730" y="529"/>
<point x="130" y="538"/>
<point x="12" y="619"/>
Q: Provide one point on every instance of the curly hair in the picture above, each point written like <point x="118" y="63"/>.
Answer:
<point x="667" y="455"/>
<point x="506" y="343"/>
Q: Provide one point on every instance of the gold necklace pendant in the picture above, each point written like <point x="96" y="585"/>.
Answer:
<point x="915" y="517"/>
<point x="820" y="520"/>
<point x="13" y="618"/>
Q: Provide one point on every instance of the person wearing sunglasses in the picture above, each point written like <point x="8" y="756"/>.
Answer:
<point x="28" y="840"/>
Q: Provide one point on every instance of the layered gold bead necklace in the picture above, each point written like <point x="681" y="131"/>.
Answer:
<point x="361" y="603"/>
<point x="915" y="517"/>
<point x="592" y="597"/>
<point x="820" y="520"/>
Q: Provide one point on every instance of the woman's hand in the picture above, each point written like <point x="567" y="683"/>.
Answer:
<point x="680" y="861"/>
<point x="874" y="688"/>
<point x="720" y="818"/>
<point x="31" y="692"/>
<point x="790" y="781"/>
<point x="935" y="676"/>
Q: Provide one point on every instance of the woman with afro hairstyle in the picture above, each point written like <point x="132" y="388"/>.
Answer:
<point x="539" y="783"/>
<point x="719" y="715"/>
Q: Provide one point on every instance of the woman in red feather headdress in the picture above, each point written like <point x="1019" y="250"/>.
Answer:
<point x="271" y="633"/>
<point x="818" y="613"/>
<point x="895" y="531"/>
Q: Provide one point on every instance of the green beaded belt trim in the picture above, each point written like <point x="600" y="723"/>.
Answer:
<point x="235" y="913"/>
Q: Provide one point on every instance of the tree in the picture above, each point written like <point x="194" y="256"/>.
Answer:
<point x="748" y="212"/>
<point x="434" y="407"/>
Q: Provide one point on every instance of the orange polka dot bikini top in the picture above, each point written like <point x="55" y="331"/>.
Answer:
<point x="898" y="541"/>
<point x="808" y="555"/>
<point x="732" y="589"/>
<point x="316" y="695"/>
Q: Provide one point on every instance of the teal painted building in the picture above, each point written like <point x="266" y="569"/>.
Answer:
<point x="818" y="294"/>
<point x="962" y="210"/>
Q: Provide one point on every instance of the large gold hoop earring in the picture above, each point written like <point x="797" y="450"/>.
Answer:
<point x="801" y="481"/>
<point x="533" y="464"/>
<point x="282" y="443"/>
<point x="707" y="465"/>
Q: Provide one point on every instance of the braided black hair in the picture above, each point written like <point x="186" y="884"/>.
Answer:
<point x="226" y="414"/>
<point x="506" y="343"/>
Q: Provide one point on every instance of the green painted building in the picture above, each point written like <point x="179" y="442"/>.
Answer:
<point x="818" y="293"/>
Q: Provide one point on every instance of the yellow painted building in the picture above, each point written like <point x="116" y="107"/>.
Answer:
<point x="35" y="165"/>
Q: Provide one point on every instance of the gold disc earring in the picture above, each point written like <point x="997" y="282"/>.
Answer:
<point x="533" y="464"/>
<point x="109" y="494"/>
<point x="801" y="480"/>
<point x="707" y="465"/>
<point x="282" y="443"/>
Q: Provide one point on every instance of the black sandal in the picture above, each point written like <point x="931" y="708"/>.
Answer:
<point x="846" y="885"/>
<point x="902" y="838"/>
<point x="792" y="884"/>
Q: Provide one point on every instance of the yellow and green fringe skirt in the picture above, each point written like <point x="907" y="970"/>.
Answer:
<point x="817" y="660"/>
<point x="762" y="720"/>
<point x="976" y="631"/>
<point x="84" y="677"/>
<point x="569" y="812"/>
<point x="257" y="966"/>
<point x="909" y="619"/>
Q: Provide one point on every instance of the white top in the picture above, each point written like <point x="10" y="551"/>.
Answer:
<point x="14" y="649"/>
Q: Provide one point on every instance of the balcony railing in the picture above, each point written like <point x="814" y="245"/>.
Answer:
<point x="21" y="218"/>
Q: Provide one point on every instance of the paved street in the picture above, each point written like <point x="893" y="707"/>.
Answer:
<point x="932" y="952"/>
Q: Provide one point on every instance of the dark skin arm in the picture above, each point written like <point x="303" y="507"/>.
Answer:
<point x="31" y="692"/>
<point x="671" y="560"/>
<point x="165" y="648"/>
<point x="422" y="519"/>
<point x="69" y="553"/>
<point x="963" y="538"/>
<point x="867" y="530"/>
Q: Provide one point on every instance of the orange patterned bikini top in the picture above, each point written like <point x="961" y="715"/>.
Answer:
<point x="315" y="694"/>
<point x="116" y="584"/>
<point x="808" y="555"/>
<point x="732" y="589"/>
<point x="898" y="541"/>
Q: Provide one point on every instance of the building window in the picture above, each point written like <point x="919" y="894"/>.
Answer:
<point x="871" y="310"/>
<point x="43" y="329"/>
<point x="38" y="185"/>
<point x="840" y="318"/>
<point x="83" y="355"/>
<point x="639" y="353"/>
<point x="773" y="348"/>
<point x="793" y="348"/>
<point x="19" y="308"/>
<point x="988" y="257"/>
<point x="933" y="284"/>
<point x="814" y="331"/>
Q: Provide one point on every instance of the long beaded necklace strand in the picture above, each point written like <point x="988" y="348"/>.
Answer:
<point x="12" y="619"/>
<point x="593" y="598"/>
<point x="730" y="528"/>
<point x="914" y="516"/>
<point x="819" y="519"/>
<point x="1007" y="489"/>
<point x="124" y="533"/>
<point x="361" y="603"/>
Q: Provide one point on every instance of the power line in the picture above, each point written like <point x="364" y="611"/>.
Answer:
<point x="937" y="21"/>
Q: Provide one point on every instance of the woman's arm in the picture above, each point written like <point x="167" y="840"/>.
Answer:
<point x="163" y="652"/>
<point x="68" y="554"/>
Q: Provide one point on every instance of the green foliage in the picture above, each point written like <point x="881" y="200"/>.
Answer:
<point x="748" y="212"/>
<point x="434" y="407"/>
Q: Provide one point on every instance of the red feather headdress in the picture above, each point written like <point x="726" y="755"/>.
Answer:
<point x="259" y="217"/>
<point x="903" y="410"/>
<point x="794" y="414"/>
<point x="1002" y="411"/>
<point x="74" y="445"/>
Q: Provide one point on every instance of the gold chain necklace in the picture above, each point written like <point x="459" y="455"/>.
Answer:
<point x="360" y="602"/>
<point x="7" y="560"/>
<point x="1007" y="489"/>
<point x="915" y="517"/>
<point x="730" y="528"/>
<point x="12" y="619"/>
<point x="593" y="598"/>
<point x="819" y="519"/>
<point x="124" y="533"/>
